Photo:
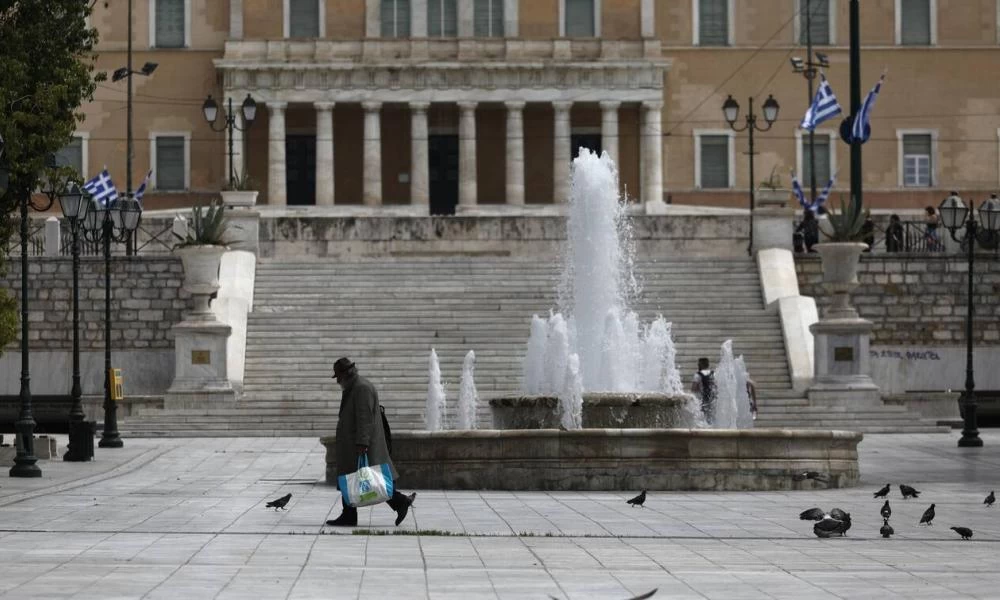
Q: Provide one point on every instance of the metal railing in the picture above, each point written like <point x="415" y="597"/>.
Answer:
<point x="153" y="237"/>
<point x="915" y="238"/>
<point x="36" y="241"/>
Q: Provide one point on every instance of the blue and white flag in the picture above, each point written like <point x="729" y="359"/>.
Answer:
<point x="142" y="187"/>
<point x="797" y="190"/>
<point x="861" y="129"/>
<point x="102" y="188"/>
<point x="825" y="193"/>
<point x="824" y="106"/>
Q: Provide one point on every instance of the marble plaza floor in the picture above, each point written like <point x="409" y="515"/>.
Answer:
<point x="185" y="518"/>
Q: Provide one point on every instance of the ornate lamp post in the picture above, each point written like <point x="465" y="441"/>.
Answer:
<point x="107" y="224"/>
<point x="954" y="215"/>
<point x="248" y="111"/>
<point x="731" y="111"/>
<point x="809" y="69"/>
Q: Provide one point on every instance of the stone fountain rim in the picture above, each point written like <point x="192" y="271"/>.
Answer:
<point x="752" y="433"/>
<point x="613" y="399"/>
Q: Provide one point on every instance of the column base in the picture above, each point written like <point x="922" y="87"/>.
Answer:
<point x="655" y="207"/>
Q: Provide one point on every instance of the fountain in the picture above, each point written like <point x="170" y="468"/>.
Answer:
<point x="602" y="405"/>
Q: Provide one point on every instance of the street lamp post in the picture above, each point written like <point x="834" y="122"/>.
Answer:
<point x="809" y="69"/>
<point x="25" y="459"/>
<point x="107" y="224"/>
<point x="731" y="111"/>
<point x="248" y="111"/>
<point x="954" y="215"/>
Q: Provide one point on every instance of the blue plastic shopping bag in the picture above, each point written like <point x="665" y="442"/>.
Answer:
<point x="368" y="485"/>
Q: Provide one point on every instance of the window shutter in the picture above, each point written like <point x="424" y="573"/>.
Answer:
<point x="714" y="161"/>
<point x="71" y="155"/>
<point x="442" y="18"/>
<point x="403" y="18"/>
<point x="496" y="14"/>
<point x="434" y="18"/>
<point x="488" y="18"/>
<point x="580" y="18"/>
<point x="821" y="151"/>
<point x="819" y="17"/>
<point x="450" y="10"/>
<point x="917" y="160"/>
<point x="170" y="163"/>
<point x="303" y="18"/>
<point x="915" y="22"/>
<point x="395" y="18"/>
<point x="169" y="23"/>
<point x="713" y="22"/>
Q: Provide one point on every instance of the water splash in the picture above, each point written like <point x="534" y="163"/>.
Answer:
<point x="727" y="389"/>
<point x="744" y="417"/>
<point x="436" y="401"/>
<point x="533" y="366"/>
<point x="468" y="398"/>
<point x="571" y="398"/>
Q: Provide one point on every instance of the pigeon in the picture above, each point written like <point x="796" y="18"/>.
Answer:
<point x="882" y="493"/>
<point x="965" y="532"/>
<point x="838" y="514"/>
<point x="928" y="516"/>
<point x="809" y="475"/>
<point x="845" y="524"/>
<point x="886" y="529"/>
<point x="638" y="500"/>
<point x="645" y="596"/>
<point x="279" y="503"/>
<point x="828" y="527"/>
<point x="908" y="492"/>
<point x="990" y="500"/>
<point x="813" y="514"/>
<point x="886" y="510"/>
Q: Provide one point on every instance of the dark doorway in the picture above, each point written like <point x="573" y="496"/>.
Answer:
<point x="443" y="166"/>
<point x="590" y="141"/>
<point x="300" y="169"/>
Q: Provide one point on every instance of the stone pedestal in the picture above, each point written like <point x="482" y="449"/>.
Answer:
<point x="773" y="220"/>
<point x="244" y="229"/>
<point x="200" y="372"/>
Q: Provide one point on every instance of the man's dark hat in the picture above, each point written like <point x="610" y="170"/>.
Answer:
<point x="342" y="366"/>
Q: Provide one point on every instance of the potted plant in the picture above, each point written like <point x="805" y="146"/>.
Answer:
<point x="843" y="230"/>
<point x="770" y="194"/>
<point x="201" y="251"/>
<point x="240" y="191"/>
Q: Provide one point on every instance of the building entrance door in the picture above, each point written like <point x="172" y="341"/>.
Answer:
<point x="443" y="167"/>
<point x="300" y="173"/>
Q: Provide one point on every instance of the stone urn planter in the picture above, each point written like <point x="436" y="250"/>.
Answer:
<point x="773" y="198"/>
<point x="239" y="198"/>
<point x="201" y="272"/>
<point x="840" y="276"/>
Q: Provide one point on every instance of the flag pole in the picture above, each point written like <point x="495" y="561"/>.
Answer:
<point x="855" y="60"/>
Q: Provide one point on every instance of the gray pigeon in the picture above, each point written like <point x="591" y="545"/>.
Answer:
<point x="828" y="527"/>
<point x="886" y="529"/>
<point x="845" y="524"/>
<point x="965" y="532"/>
<point x="809" y="475"/>
<point x="638" y="500"/>
<point x="279" y="503"/>
<point x="908" y="492"/>
<point x="928" y="516"/>
<point x="838" y="514"/>
<point x="882" y="493"/>
<point x="813" y="514"/>
<point x="886" y="510"/>
<point x="990" y="500"/>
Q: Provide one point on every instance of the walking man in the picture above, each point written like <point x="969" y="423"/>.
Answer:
<point x="359" y="432"/>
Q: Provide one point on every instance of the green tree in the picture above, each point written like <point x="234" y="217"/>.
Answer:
<point x="46" y="74"/>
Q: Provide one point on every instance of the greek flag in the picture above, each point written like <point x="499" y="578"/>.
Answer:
<point x="825" y="193"/>
<point x="797" y="190"/>
<point x="861" y="128"/>
<point x="819" y="200"/>
<point x="824" y="106"/>
<point x="102" y="188"/>
<point x="142" y="187"/>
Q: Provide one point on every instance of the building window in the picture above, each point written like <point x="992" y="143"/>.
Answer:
<point x="580" y="18"/>
<point x="170" y="162"/>
<point x="713" y="161"/>
<point x="303" y="18"/>
<point x="395" y="18"/>
<point x="71" y="155"/>
<point x="917" y="163"/>
<point x="442" y="18"/>
<point x="818" y="12"/>
<point x="169" y="18"/>
<point x="914" y="19"/>
<point x="822" y="156"/>
<point x="488" y="17"/>
<point x="713" y="22"/>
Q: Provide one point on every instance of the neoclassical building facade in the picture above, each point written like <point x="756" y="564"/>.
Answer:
<point x="473" y="106"/>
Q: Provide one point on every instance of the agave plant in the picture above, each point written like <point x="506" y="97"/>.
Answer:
<point x="847" y="224"/>
<point x="239" y="183"/>
<point x="206" y="228"/>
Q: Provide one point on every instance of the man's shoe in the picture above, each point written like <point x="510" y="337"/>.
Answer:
<point x="402" y="511"/>
<point x="344" y="520"/>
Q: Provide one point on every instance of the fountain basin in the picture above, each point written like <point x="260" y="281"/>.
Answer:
<point x="632" y="410"/>
<point x="620" y="459"/>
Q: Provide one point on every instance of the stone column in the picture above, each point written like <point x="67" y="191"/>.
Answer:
<point x="324" y="154"/>
<point x="609" y="128"/>
<point x="648" y="18"/>
<point x="372" y="194"/>
<point x="561" y="154"/>
<point x="235" y="19"/>
<point x="467" y="154"/>
<point x="239" y="165"/>
<point x="277" y="189"/>
<point x="652" y="134"/>
<point x="465" y="17"/>
<point x="515" y="153"/>
<point x="420" y="191"/>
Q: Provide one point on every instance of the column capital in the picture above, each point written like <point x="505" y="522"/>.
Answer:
<point x="371" y="106"/>
<point x="420" y="106"/>
<point x="515" y="104"/>
<point x="610" y="104"/>
<point x="323" y="106"/>
<point x="467" y="105"/>
<point x="652" y="104"/>
<point x="276" y="106"/>
<point x="562" y="106"/>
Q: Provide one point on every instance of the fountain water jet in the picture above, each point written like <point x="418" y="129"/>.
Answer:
<point x="467" y="395"/>
<point x="436" y="402"/>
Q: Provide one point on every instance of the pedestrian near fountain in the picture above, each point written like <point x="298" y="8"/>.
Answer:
<point x="360" y="432"/>
<point x="752" y="395"/>
<point x="703" y="386"/>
